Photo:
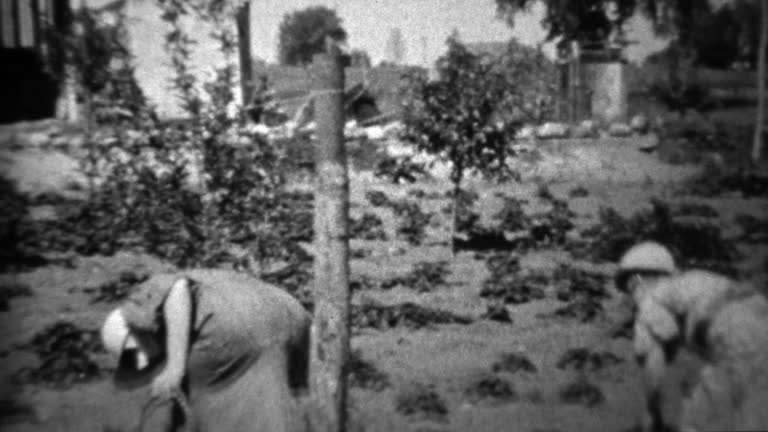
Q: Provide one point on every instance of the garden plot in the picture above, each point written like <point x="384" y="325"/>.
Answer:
<point x="428" y="355"/>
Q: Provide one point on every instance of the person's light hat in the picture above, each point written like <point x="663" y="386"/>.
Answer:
<point x="648" y="256"/>
<point x="645" y="257"/>
<point x="118" y="339"/>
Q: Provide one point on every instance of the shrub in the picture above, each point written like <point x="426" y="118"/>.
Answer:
<point x="399" y="169"/>
<point x="513" y="363"/>
<point x="421" y="401"/>
<point x="368" y="227"/>
<point x="413" y="221"/>
<point x="424" y="277"/>
<point x="694" y="243"/>
<point x="364" y="374"/>
<point x="66" y="356"/>
<point x="491" y="389"/>
<point x="408" y="315"/>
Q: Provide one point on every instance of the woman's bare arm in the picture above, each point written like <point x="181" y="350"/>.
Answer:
<point x="177" y="312"/>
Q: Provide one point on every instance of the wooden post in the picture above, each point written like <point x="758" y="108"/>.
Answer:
<point x="330" y="329"/>
<point x="16" y="20"/>
<point x="244" y="44"/>
<point x="36" y="26"/>
<point x="757" y="142"/>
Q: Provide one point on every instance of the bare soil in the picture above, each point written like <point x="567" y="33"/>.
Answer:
<point x="451" y="365"/>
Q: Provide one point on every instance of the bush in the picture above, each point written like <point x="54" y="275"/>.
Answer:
<point x="582" y="392"/>
<point x="400" y="169"/>
<point x="118" y="289"/>
<point x="511" y="217"/>
<point x="413" y="221"/>
<point x="368" y="227"/>
<point x="513" y="363"/>
<point x="508" y="284"/>
<point x="424" y="277"/>
<point x="408" y="315"/>
<point x="364" y="374"/>
<point x="694" y="243"/>
<point x="65" y="352"/>
<point x="580" y="359"/>
<point x="377" y="198"/>
<point x="421" y="401"/>
<point x="491" y="389"/>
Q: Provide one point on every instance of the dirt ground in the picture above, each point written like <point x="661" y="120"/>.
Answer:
<point x="449" y="358"/>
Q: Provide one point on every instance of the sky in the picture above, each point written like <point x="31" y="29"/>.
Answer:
<point x="369" y="22"/>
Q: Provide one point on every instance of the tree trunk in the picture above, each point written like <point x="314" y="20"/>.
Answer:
<point x="330" y="329"/>
<point x="757" y="142"/>
<point x="244" y="45"/>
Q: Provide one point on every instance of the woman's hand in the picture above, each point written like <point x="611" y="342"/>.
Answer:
<point x="167" y="384"/>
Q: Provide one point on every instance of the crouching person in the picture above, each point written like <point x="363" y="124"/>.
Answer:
<point x="228" y="348"/>
<point x="724" y="322"/>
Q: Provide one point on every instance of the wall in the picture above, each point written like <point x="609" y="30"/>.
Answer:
<point x="609" y="90"/>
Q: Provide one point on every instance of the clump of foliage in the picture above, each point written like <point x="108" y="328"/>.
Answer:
<point x="363" y="374"/>
<point x="497" y="312"/>
<point x="399" y="170"/>
<point x="413" y="221"/>
<point x="118" y="289"/>
<point x="409" y="315"/>
<point x="695" y="243"/>
<point x="295" y="276"/>
<point x="582" y="392"/>
<point x="754" y="230"/>
<point x="10" y="291"/>
<point x="362" y="283"/>
<point x="456" y="117"/>
<point x="422" y="401"/>
<point x="65" y="352"/>
<point x="422" y="194"/>
<point x="513" y="363"/>
<point x="368" y="227"/>
<point x="582" y="310"/>
<point x="712" y="183"/>
<point x="491" y="389"/>
<point x="424" y="277"/>
<point x="466" y="219"/>
<point x="508" y="284"/>
<point x="203" y="192"/>
<point x="578" y="192"/>
<point x="15" y="209"/>
<point x="573" y="283"/>
<point x="377" y="198"/>
<point x="551" y="228"/>
<point x="582" y="290"/>
<point x="302" y="34"/>
<point x="580" y="359"/>
<point x="512" y="217"/>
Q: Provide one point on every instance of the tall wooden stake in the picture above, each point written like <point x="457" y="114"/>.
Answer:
<point x="330" y="328"/>
<point x="757" y="142"/>
<point x="244" y="45"/>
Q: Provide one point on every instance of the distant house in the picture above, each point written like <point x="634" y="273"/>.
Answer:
<point x="29" y="90"/>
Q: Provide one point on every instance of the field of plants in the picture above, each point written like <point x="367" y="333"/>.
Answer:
<point x="519" y="326"/>
<point x="482" y="291"/>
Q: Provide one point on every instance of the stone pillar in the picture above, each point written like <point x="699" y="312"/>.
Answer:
<point x="609" y="91"/>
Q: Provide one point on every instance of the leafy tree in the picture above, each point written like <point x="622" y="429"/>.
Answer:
<point x="457" y="117"/>
<point x="574" y="20"/>
<point x="302" y="34"/>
